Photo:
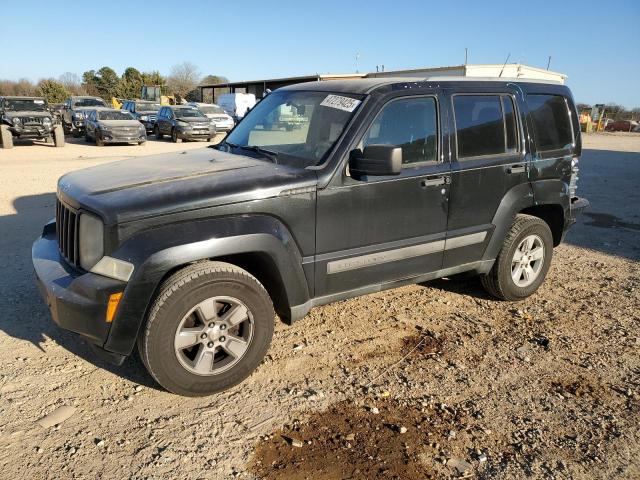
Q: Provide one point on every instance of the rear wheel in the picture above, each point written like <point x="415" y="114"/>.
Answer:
<point x="207" y="330"/>
<point x="523" y="261"/>
<point x="156" y="131"/>
<point x="6" y="138"/>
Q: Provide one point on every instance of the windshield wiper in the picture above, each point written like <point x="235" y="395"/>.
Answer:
<point x="273" y="156"/>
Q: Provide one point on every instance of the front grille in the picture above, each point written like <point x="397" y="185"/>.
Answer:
<point x="31" y="120"/>
<point x="67" y="228"/>
<point x="152" y="118"/>
<point x="125" y="130"/>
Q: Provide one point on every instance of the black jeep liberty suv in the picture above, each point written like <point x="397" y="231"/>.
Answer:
<point x="383" y="182"/>
<point x="28" y="118"/>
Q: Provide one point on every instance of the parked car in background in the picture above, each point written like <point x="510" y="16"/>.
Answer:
<point x="621" y="126"/>
<point x="28" y="118"/>
<point x="113" y="126"/>
<point x="183" y="122"/>
<point x="237" y="104"/>
<point x="223" y="121"/>
<point x="75" y="110"/>
<point x="144" y="111"/>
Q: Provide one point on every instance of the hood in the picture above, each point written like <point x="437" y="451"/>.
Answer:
<point x="84" y="109"/>
<point x="119" y="123"/>
<point x="27" y="113"/>
<point x="175" y="182"/>
<point x="193" y="119"/>
<point x="147" y="112"/>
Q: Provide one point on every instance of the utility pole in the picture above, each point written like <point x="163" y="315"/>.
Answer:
<point x="466" y="52"/>
<point x="548" y="62"/>
<point x="357" y="58"/>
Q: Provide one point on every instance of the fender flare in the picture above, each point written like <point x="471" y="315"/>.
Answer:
<point x="157" y="252"/>
<point x="514" y="201"/>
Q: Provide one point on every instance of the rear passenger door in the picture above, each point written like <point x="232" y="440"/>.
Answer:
<point x="488" y="162"/>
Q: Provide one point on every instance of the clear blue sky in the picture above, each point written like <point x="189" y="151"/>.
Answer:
<point x="596" y="43"/>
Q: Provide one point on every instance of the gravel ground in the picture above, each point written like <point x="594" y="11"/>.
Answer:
<point x="435" y="380"/>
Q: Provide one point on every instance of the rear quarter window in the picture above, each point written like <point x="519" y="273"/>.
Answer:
<point x="551" y="122"/>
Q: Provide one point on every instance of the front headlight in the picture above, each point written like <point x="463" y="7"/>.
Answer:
<point x="144" y="117"/>
<point x="78" y="115"/>
<point x="91" y="233"/>
<point x="113" y="268"/>
<point x="16" y="121"/>
<point x="46" y="121"/>
<point x="180" y="123"/>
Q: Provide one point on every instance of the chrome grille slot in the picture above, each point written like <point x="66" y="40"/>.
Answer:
<point x="67" y="224"/>
<point x="31" y="120"/>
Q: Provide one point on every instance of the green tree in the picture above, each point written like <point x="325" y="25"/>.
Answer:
<point x="107" y="82"/>
<point x="52" y="91"/>
<point x="130" y="83"/>
<point x="89" y="82"/>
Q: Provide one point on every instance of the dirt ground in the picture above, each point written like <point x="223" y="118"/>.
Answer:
<point x="428" y="381"/>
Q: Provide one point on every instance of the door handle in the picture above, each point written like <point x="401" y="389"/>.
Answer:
<point x="517" y="168"/>
<point x="434" y="180"/>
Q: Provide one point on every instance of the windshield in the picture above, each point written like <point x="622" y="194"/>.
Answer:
<point x="25" y="105"/>
<point x="148" y="107"/>
<point x="89" y="102"/>
<point x="299" y="127"/>
<point x="187" y="112"/>
<point x="212" y="109"/>
<point x="118" y="115"/>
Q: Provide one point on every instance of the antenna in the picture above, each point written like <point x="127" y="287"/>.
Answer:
<point x="466" y="52"/>
<point x="504" y="65"/>
<point x="548" y="62"/>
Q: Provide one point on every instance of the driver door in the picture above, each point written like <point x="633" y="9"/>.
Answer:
<point x="380" y="229"/>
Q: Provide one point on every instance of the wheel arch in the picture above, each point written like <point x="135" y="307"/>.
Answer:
<point x="552" y="215"/>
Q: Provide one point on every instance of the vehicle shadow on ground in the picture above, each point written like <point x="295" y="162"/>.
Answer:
<point x="611" y="224"/>
<point x="25" y="316"/>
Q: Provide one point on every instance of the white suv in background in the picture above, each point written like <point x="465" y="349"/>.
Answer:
<point x="218" y="116"/>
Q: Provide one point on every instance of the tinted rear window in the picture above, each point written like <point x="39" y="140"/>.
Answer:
<point x="485" y="125"/>
<point x="551" y="122"/>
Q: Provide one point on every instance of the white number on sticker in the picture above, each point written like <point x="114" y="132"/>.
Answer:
<point x="341" y="103"/>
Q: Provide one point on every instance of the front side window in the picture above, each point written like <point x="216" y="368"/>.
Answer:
<point x="551" y="122"/>
<point x="485" y="125"/>
<point x="409" y="123"/>
<point x="298" y="127"/>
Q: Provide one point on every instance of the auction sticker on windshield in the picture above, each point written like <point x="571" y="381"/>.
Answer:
<point x="341" y="103"/>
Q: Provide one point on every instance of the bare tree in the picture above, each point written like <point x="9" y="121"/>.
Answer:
<point x="72" y="82"/>
<point x="183" y="78"/>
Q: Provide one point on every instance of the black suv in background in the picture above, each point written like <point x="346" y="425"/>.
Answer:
<point x="384" y="182"/>
<point x="74" y="111"/>
<point x="183" y="122"/>
<point x="144" y="111"/>
<point x="28" y="118"/>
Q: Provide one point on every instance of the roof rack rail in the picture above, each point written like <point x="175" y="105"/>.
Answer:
<point x="448" y="78"/>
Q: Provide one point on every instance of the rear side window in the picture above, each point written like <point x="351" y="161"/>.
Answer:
<point x="409" y="123"/>
<point x="551" y="122"/>
<point x="485" y="125"/>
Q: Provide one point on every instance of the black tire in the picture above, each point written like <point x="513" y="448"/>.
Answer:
<point x="98" y="140"/>
<point x="58" y="136"/>
<point x="174" y="136"/>
<point x="6" y="138"/>
<point x="76" y="133"/>
<point x="499" y="282"/>
<point x="142" y="143"/>
<point x="180" y="293"/>
<point x="156" y="131"/>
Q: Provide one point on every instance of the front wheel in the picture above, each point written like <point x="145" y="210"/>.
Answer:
<point x="207" y="330"/>
<point x="523" y="261"/>
<point x="156" y="131"/>
<point x="174" y="136"/>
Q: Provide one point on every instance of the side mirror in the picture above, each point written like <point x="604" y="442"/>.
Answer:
<point x="376" y="160"/>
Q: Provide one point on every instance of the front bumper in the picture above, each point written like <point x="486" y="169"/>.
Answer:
<point x="29" y="131"/>
<point x="118" y="138"/>
<point x="195" y="134"/>
<point x="76" y="299"/>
